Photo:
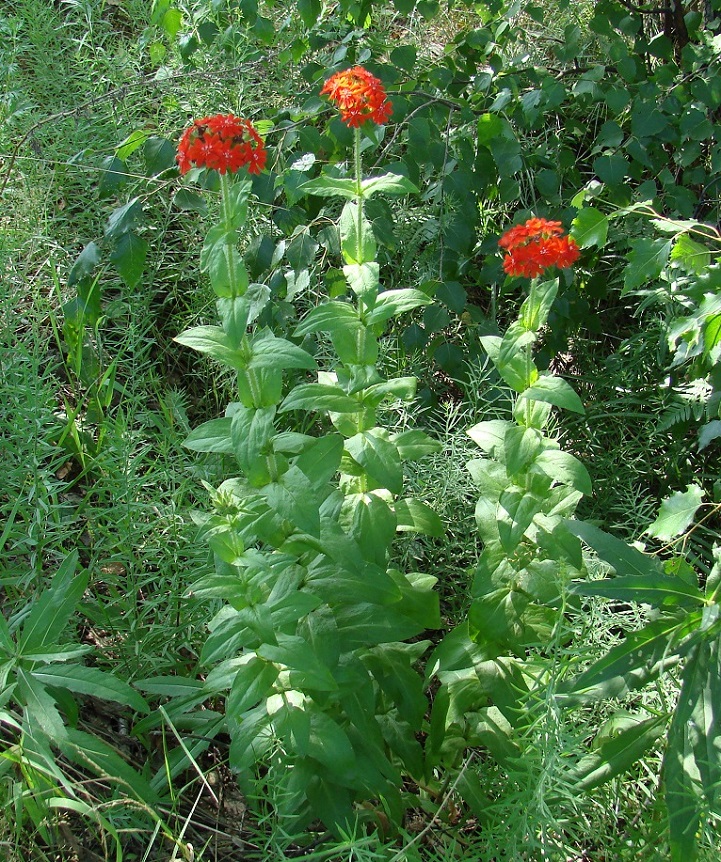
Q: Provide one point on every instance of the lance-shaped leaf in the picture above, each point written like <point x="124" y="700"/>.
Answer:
<point x="658" y="590"/>
<point x="329" y="317"/>
<point x="216" y="343"/>
<point x="564" y="468"/>
<point x="212" y="436"/>
<point x="624" y="558"/>
<point x="516" y="510"/>
<point x="90" y="681"/>
<point x="616" y="754"/>
<point x="418" y="517"/>
<point x="363" y="279"/>
<point x="379" y="458"/>
<point x="554" y="390"/>
<point x="51" y="612"/>
<point x="357" y="241"/>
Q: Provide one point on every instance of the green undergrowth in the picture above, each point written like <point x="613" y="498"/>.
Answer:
<point x="91" y="447"/>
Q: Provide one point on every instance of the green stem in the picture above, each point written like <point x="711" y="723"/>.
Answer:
<point x="529" y="359"/>
<point x="227" y="221"/>
<point x="359" y="190"/>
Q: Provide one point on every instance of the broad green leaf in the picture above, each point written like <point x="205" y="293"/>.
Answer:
<point x="123" y="219"/>
<point x="328" y="743"/>
<point x="86" y="262"/>
<point x="372" y="523"/>
<point x="554" y="390"/>
<point x="516" y="510"/>
<point x="319" y="396"/>
<point x="520" y="447"/>
<point x="646" y="260"/>
<point x="320" y="461"/>
<point x="295" y="654"/>
<point x="293" y="499"/>
<point x="690" y="255"/>
<point x="134" y="140"/>
<point x="212" y="436"/>
<point x="564" y="468"/>
<point x="625" y="559"/>
<point x="253" y="682"/>
<point x="514" y="367"/>
<point x="216" y="343"/>
<point x="329" y="317"/>
<point x="417" y="516"/>
<point x="363" y="280"/>
<point x="267" y="351"/>
<point x="357" y="241"/>
<point x="52" y="610"/>
<point x="692" y="764"/>
<point x="392" y="303"/>
<point x="491" y="436"/>
<point x="171" y="686"/>
<point x="676" y="513"/>
<point x="91" y="681"/>
<point x="616" y="754"/>
<point x="128" y="258"/>
<point x="390" y="184"/>
<point x="415" y="444"/>
<point x="159" y="154"/>
<point x="40" y="708"/>
<point x="379" y="458"/>
<point x="331" y="187"/>
<point x="536" y="307"/>
<point x="590" y="227"/>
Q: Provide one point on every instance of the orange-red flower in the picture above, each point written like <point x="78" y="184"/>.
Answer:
<point x="535" y="246"/>
<point x="359" y="96"/>
<point x="224" y="142"/>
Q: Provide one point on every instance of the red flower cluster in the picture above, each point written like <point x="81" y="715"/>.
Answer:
<point x="359" y="95"/>
<point x="224" y="143"/>
<point x="535" y="246"/>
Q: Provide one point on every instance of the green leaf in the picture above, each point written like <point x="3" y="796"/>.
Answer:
<point x="363" y="280"/>
<point x="123" y="219"/>
<point x="307" y="671"/>
<point x="379" y="458"/>
<point x="418" y="517"/>
<point x="293" y="499"/>
<point x="357" y="241"/>
<point x="553" y="390"/>
<point x="564" y="468"/>
<point x="331" y="187"/>
<point x="52" y="610"/>
<point x="646" y="260"/>
<point x="590" y="227"/>
<point x="309" y="11"/>
<point x="616" y="754"/>
<point x="657" y="590"/>
<point x="392" y="303"/>
<point x="159" y="154"/>
<point x="253" y="682"/>
<point x="212" y="436"/>
<point x="692" y="764"/>
<point x="512" y="365"/>
<point x="134" y="140"/>
<point x="91" y="681"/>
<point x="415" y="444"/>
<point x="639" y="658"/>
<point x="491" y="436"/>
<point x="216" y="343"/>
<point x="690" y="255"/>
<point x="520" y="447"/>
<point x="535" y="309"/>
<point x="329" y="317"/>
<point x="676" y="513"/>
<point x="404" y="57"/>
<point x="624" y="558"/>
<point x="516" y="510"/>
<point x="319" y="396"/>
<point x="321" y="460"/>
<point x="128" y="258"/>
<point x="267" y="351"/>
<point x="40" y="708"/>
<point x="390" y="184"/>
<point x="611" y="169"/>
<point x="85" y="263"/>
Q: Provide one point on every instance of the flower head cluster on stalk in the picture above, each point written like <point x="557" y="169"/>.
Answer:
<point x="535" y="246"/>
<point x="359" y="96"/>
<point x="225" y="143"/>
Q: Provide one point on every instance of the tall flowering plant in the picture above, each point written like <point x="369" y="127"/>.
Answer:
<point x="312" y="647"/>
<point x="490" y="693"/>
